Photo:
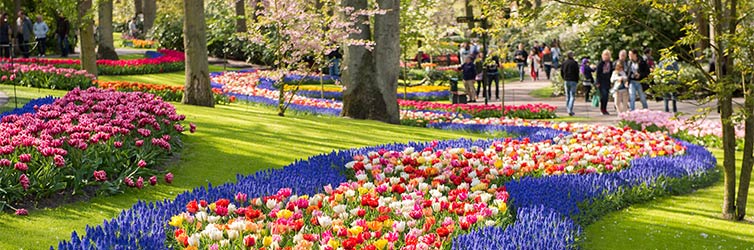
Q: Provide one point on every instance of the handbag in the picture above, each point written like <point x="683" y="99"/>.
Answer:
<point x="596" y="100"/>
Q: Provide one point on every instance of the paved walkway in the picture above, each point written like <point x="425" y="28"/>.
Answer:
<point x="517" y="93"/>
<point x="3" y="98"/>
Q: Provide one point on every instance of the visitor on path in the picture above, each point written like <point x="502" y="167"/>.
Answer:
<point x="62" y="30"/>
<point x="649" y="58"/>
<point x="534" y="63"/>
<point x="421" y="57"/>
<point x="623" y="58"/>
<point x="474" y="50"/>
<point x="23" y="35"/>
<point x="5" y="33"/>
<point x="520" y="57"/>
<point x="671" y="66"/>
<point x="493" y="74"/>
<point x="468" y="70"/>
<point x="570" y="74"/>
<point x="555" y="50"/>
<point x="465" y="50"/>
<point x="335" y="57"/>
<point x="620" y="87"/>
<point x="604" y="73"/>
<point x="638" y="70"/>
<point x="587" y="71"/>
<point x="40" y="32"/>
<point x="547" y="61"/>
<point x="481" y="89"/>
<point x="133" y="29"/>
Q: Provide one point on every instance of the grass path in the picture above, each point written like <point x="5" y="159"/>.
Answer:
<point x="230" y="140"/>
<point x="680" y="222"/>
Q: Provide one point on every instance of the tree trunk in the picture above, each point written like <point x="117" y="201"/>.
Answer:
<point x="254" y="9"/>
<point x="748" y="160"/>
<point x="150" y="12"/>
<point x="138" y="7"/>
<point x="240" y="15"/>
<point x="387" y="52"/>
<point x="469" y="14"/>
<point x="105" y="48"/>
<point x="86" y="33"/>
<point x="197" y="89"/>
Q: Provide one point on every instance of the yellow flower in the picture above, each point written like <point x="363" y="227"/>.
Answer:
<point x="338" y="197"/>
<point x="388" y="224"/>
<point x="333" y="243"/>
<point x="363" y="190"/>
<point x="503" y="207"/>
<point x="498" y="163"/>
<point x="380" y="244"/>
<point x="267" y="241"/>
<point x="480" y="186"/>
<point x="212" y="206"/>
<point x="285" y="214"/>
<point x="176" y="221"/>
<point x="356" y="230"/>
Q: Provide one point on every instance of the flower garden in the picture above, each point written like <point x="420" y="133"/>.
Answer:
<point x="164" y="61"/>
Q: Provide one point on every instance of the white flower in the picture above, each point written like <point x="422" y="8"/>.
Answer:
<point x="350" y="193"/>
<point x="271" y="203"/>
<point x="213" y="219"/>
<point x="194" y="240"/>
<point x="233" y="234"/>
<point x="201" y="216"/>
<point x="339" y="209"/>
<point x="399" y="226"/>
<point x="325" y="221"/>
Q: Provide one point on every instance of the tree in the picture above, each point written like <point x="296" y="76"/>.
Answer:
<point x="150" y="12"/>
<point x="105" y="47"/>
<point x="240" y="15"/>
<point x="198" y="90"/>
<point x="138" y="7"/>
<point x="371" y="76"/>
<point x="86" y="31"/>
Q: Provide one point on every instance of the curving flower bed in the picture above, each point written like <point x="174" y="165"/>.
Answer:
<point x="44" y="76"/>
<point x="456" y="194"/>
<point x="527" y="111"/>
<point x="424" y="93"/>
<point x="92" y="138"/>
<point x="704" y="132"/>
<point x="170" y="61"/>
<point x="166" y="92"/>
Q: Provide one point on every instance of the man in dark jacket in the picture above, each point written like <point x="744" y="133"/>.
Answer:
<point x="61" y="31"/>
<point x="570" y="73"/>
<point x="520" y="58"/>
<point x="468" y="70"/>
<point x="638" y="70"/>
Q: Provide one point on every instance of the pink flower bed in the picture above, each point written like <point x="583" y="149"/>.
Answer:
<point x="674" y="125"/>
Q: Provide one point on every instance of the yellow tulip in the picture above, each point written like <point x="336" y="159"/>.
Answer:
<point x="363" y="190"/>
<point x="380" y="244"/>
<point x="267" y="241"/>
<point x="333" y="243"/>
<point x="285" y="214"/>
<point x="212" y="207"/>
<point x="176" y="221"/>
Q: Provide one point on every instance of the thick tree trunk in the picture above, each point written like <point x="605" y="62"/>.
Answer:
<point x="748" y="160"/>
<point x="105" y="48"/>
<point x="387" y="53"/>
<point x="150" y="12"/>
<point x="240" y="15"/>
<point x="138" y="7"/>
<point x="726" y="111"/>
<point x="86" y="32"/>
<point x="197" y="89"/>
<point x="469" y="14"/>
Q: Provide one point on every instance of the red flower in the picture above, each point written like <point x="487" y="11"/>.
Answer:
<point x="100" y="175"/>
<point x="222" y="202"/>
<point x="169" y="178"/>
<point x="443" y="232"/>
<point x="249" y="241"/>
<point x="192" y="207"/>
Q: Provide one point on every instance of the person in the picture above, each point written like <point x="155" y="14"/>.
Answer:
<point x="474" y="50"/>
<point x="493" y="74"/>
<point x="481" y="89"/>
<point x="604" y="73"/>
<point x="547" y="61"/>
<point x="555" y="50"/>
<point x="465" y="50"/>
<point x="422" y="57"/>
<point x="520" y="58"/>
<point x="587" y="71"/>
<point x="649" y="59"/>
<point x="5" y="33"/>
<point x="671" y="67"/>
<point x="133" y="29"/>
<point x="23" y="36"/>
<point x="570" y="74"/>
<point x="620" y="87"/>
<point x="335" y="58"/>
<point x="638" y="70"/>
<point x="534" y="63"/>
<point x="623" y="58"/>
<point x="468" y="70"/>
<point x="40" y="32"/>
<point x="62" y="30"/>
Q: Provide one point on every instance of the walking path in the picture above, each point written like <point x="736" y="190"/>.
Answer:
<point x="3" y="98"/>
<point x="517" y="93"/>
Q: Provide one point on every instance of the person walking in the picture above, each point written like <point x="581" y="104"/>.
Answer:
<point x="493" y="74"/>
<point x="62" y="29"/>
<point x="335" y="58"/>
<point x="604" y="73"/>
<point x="671" y="67"/>
<point x="620" y="87"/>
<point x="638" y="70"/>
<point x="555" y="50"/>
<point x="520" y="57"/>
<point x="623" y="58"/>
<point x="587" y="71"/>
<point x="570" y="74"/>
<point x="547" y="61"/>
<point x="468" y="71"/>
<point x="465" y="50"/>
<point x="534" y="63"/>
<point x="40" y="32"/>
<point x="23" y="35"/>
<point x="5" y="33"/>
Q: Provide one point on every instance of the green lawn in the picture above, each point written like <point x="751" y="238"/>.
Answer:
<point x="680" y="222"/>
<point x="172" y="78"/>
<point x="545" y="92"/>
<point x="229" y="140"/>
<point x="25" y="95"/>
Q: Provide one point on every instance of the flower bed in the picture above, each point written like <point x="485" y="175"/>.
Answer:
<point x="29" y="107"/>
<point x="703" y="132"/>
<point x="44" y="76"/>
<point x="88" y="138"/>
<point x="527" y="111"/>
<point x="166" y="92"/>
<point x="447" y="194"/>
<point x="425" y="93"/>
<point x="138" y="43"/>
<point x="170" y="61"/>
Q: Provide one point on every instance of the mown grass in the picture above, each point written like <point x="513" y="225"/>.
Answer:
<point x="230" y="140"/>
<point x="172" y="78"/>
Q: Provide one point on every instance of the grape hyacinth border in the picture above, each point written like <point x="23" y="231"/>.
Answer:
<point x="548" y="210"/>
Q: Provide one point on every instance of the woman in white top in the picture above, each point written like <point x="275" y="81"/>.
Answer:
<point x="620" y="87"/>
<point x="535" y="63"/>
